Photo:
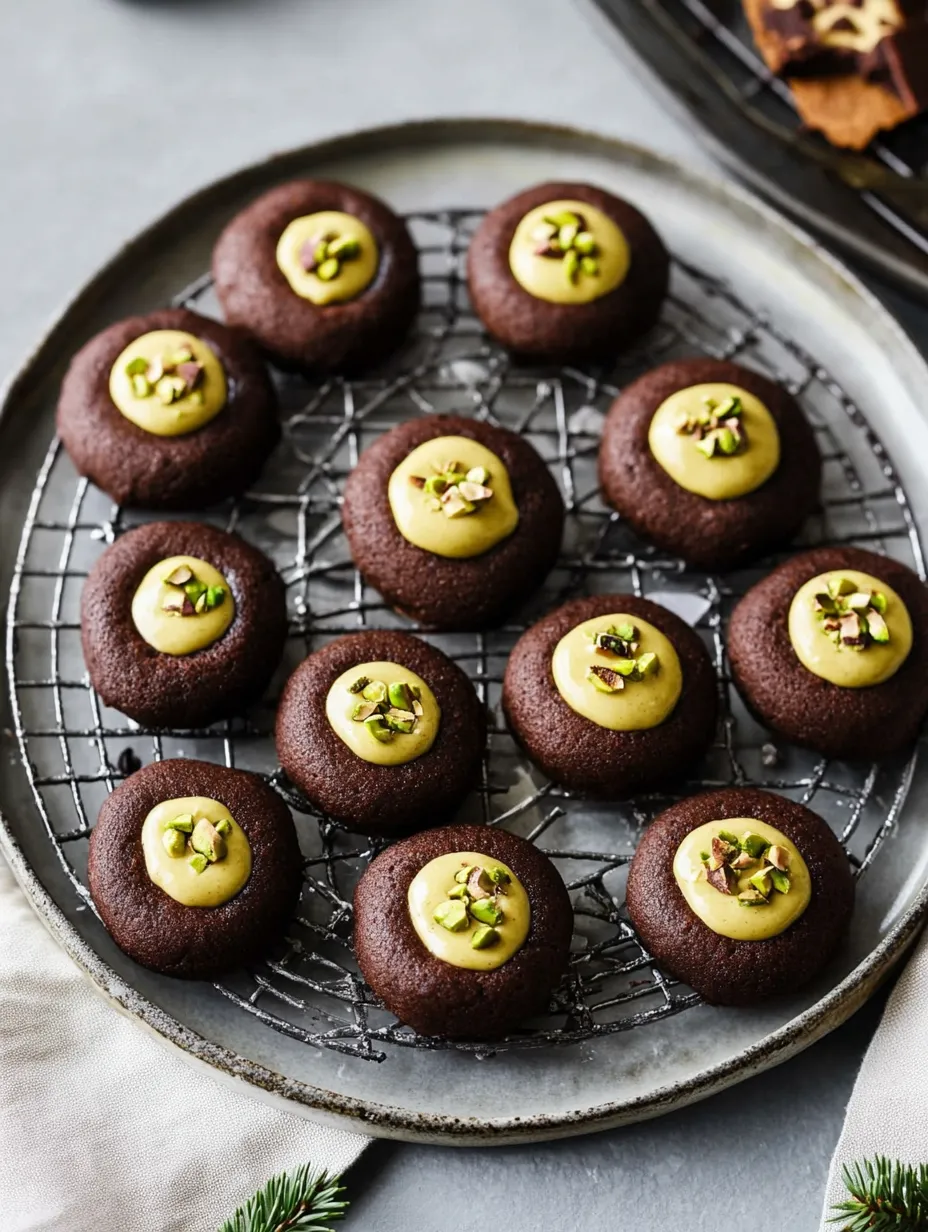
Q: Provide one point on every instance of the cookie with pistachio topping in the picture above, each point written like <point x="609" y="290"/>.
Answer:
<point x="611" y="695"/>
<point x="710" y="461"/>
<point x="741" y="894"/>
<point x="567" y="272"/>
<point x="182" y="624"/>
<point x="455" y="521"/>
<point x="194" y="868"/>
<point x="462" y="932"/>
<point x="831" y="651"/>
<point x="168" y="411"/>
<point x="382" y="732"/>
<point x="322" y="275"/>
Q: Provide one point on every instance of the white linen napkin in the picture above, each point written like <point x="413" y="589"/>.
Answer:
<point x="102" y="1127"/>
<point x="888" y="1110"/>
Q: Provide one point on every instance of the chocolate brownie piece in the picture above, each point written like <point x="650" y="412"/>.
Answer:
<point x="866" y="723"/>
<point x="152" y="927"/>
<point x="192" y="690"/>
<point x="139" y="468"/>
<point x="362" y="796"/>
<point x="707" y="534"/>
<point x="725" y="971"/>
<point x="435" y="997"/>
<point x="440" y="592"/>
<point x="577" y="752"/>
<point x="336" y="337"/>
<point x="539" y="329"/>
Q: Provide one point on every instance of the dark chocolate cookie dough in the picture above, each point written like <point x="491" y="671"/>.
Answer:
<point x="375" y="799"/>
<point x="707" y="534"/>
<point x="537" y="328"/>
<point x="190" y="690"/>
<point x="256" y="295"/>
<point x="152" y="927"/>
<point x="573" y="750"/>
<point x="723" y="970"/>
<point x="864" y="723"/>
<point x="138" y="468"/>
<point x="440" y="592"/>
<point x="431" y="995"/>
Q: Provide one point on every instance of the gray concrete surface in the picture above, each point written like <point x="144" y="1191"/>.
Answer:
<point x="112" y="109"/>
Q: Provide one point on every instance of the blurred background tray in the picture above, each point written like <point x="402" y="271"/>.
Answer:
<point x="701" y="56"/>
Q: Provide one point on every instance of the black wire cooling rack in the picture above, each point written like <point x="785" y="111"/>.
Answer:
<point x="75" y="750"/>
<point x="875" y="204"/>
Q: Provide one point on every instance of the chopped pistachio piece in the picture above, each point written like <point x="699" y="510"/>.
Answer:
<point x="878" y="602"/>
<point x="478" y="474"/>
<point x="463" y="873"/>
<point x="360" y="684"/>
<point x="479" y="884"/>
<point x="207" y="840"/>
<point x="451" y="915"/>
<point x="328" y="269"/>
<point x="175" y="844"/>
<point x="224" y="827"/>
<point x="484" y="937"/>
<point x="648" y="664"/>
<point x="141" y="386"/>
<point x="752" y="898"/>
<point x="605" y="679"/>
<point x="877" y="627"/>
<point x="727" y="837"/>
<point x="182" y="822"/>
<point x="486" y="911"/>
<point x="400" y="696"/>
<point x="778" y="857"/>
<point x="761" y="883"/>
<point x="378" y="729"/>
<point x="779" y="880"/>
<point x="498" y="875"/>
<point x="840" y="586"/>
<point x="137" y="366"/>
<point x="198" y="862"/>
<point x="376" y="692"/>
<point x="460" y="891"/>
<point x="753" y="844"/>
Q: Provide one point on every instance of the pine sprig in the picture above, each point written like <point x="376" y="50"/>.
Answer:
<point x="885" y="1196"/>
<point x="303" y="1200"/>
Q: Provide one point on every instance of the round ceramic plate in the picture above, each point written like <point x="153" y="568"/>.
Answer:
<point x="620" y="1041"/>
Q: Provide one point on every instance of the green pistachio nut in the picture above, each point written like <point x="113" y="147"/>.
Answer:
<point x="478" y="474"/>
<point x="375" y="692"/>
<point x="361" y="683"/>
<point x="215" y="595"/>
<point x="141" y="387"/>
<point x="224" y="827"/>
<point x="486" y="911"/>
<point x="400" y="696"/>
<point x="585" y="244"/>
<point x="589" y="266"/>
<point x="498" y="875"/>
<point x="840" y="586"/>
<point x="165" y="390"/>
<point x="728" y="442"/>
<point x="780" y="880"/>
<point x="347" y="248"/>
<point x="451" y="915"/>
<point x="174" y="843"/>
<point x="628" y="633"/>
<point x="877" y="628"/>
<point x="859" y="601"/>
<point x="463" y="873"/>
<point x="878" y="602"/>
<point x="564" y="218"/>
<point x="708" y="444"/>
<point x="406" y="726"/>
<point x="198" y="863"/>
<point x="327" y="270"/>
<point x="321" y="252"/>
<point x="727" y="837"/>
<point x="753" y="844"/>
<point x="378" y="729"/>
<point x="207" y="840"/>
<point x="572" y="265"/>
<point x="648" y="664"/>
<point x="460" y="891"/>
<point x="761" y="883"/>
<point x="183" y="822"/>
<point x="484" y="937"/>
<point x="625" y="667"/>
<point x="137" y="366"/>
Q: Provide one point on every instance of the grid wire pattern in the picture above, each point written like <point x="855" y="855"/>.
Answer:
<point x="75" y="750"/>
<point x="721" y="28"/>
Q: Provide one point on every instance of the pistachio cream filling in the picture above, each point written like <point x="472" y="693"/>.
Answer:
<point x="469" y="910"/>
<point x="743" y="878"/>
<point x="452" y="496"/>
<point x="196" y="851"/>
<point x="568" y="252"/>
<point x="715" y="440"/>
<point x="385" y="713"/>
<point x="619" y="672"/>
<point x="182" y="605"/>
<point x="328" y="257"/>
<point x="850" y="628"/>
<point x="168" y="383"/>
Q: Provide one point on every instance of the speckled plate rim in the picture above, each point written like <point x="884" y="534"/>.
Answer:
<point x="368" y="1117"/>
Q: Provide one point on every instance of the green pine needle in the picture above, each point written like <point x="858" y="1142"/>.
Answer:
<point x="303" y="1200"/>
<point x="885" y="1196"/>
